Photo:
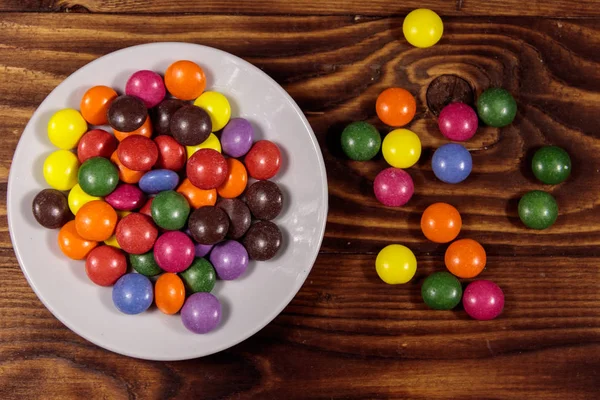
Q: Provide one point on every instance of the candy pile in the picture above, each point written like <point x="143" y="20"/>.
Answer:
<point x="159" y="195"/>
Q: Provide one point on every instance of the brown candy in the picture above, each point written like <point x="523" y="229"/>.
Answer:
<point x="51" y="209"/>
<point x="262" y="241"/>
<point x="208" y="225"/>
<point x="127" y="113"/>
<point x="446" y="89"/>
<point x="239" y="217"/>
<point x="190" y="125"/>
<point x="265" y="200"/>
<point x="162" y="114"/>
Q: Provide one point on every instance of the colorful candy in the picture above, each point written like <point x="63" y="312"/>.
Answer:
<point x="60" y="170"/>
<point x="452" y="163"/>
<point x="185" y="80"/>
<point x="262" y="241"/>
<point x="125" y="174"/>
<point x="441" y="223"/>
<point x="77" y="198"/>
<point x="422" y="28"/>
<point x="551" y="165"/>
<point x="144" y="130"/>
<point x="538" y="210"/>
<point x="105" y="265"/>
<point x="65" y="128"/>
<point x="95" y="104"/>
<point x="263" y="161"/>
<point x="51" y="208"/>
<point x="396" y="264"/>
<point x="170" y="210"/>
<point x="136" y="233"/>
<point x="161" y="115"/>
<point x="441" y="291"/>
<point x="132" y="294"/>
<point x="237" y="137"/>
<point x="202" y="250"/>
<point x="212" y="142"/>
<point x="190" y="125"/>
<point x="127" y="113"/>
<point x="401" y="148"/>
<point x="239" y="217"/>
<point x="230" y="259"/>
<point x="145" y="264"/>
<point x="393" y="187"/>
<point x="236" y="181"/>
<point x="458" y="121"/>
<point x="496" y="107"/>
<point x="96" y="221"/>
<point x="483" y="300"/>
<point x="171" y="155"/>
<point x="201" y="313"/>
<point x="208" y="225"/>
<point x="207" y="169"/>
<point x="147" y="86"/>
<point x="126" y="197"/>
<point x="465" y="258"/>
<point x="138" y="153"/>
<point x="264" y="199"/>
<point x="195" y="196"/>
<point x="174" y="251"/>
<point x="217" y="106"/>
<point x="169" y="293"/>
<point x="159" y="180"/>
<point x="396" y="107"/>
<point x="98" y="176"/>
<point x="361" y="141"/>
<point x="96" y="143"/>
<point x="200" y="276"/>
<point x="71" y="244"/>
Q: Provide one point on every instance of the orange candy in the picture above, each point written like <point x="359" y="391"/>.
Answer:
<point x="441" y="223"/>
<point x="95" y="103"/>
<point x="125" y="174"/>
<point x="96" y="221"/>
<point x="236" y="181"/>
<point x="71" y="244"/>
<point x="396" y="107"/>
<point x="195" y="196"/>
<point x="144" y="130"/>
<point x="185" y="80"/>
<point x="465" y="258"/>
<point x="169" y="293"/>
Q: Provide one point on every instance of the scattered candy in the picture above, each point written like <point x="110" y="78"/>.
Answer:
<point x="95" y="103"/>
<point x="145" y="264"/>
<point x="396" y="107"/>
<point x="441" y="223"/>
<point x="138" y="153"/>
<point x="217" y="106"/>
<point x="170" y="210"/>
<point x="236" y="181"/>
<point x="169" y="293"/>
<point x="200" y="276"/>
<point x="361" y="141"/>
<point x="401" y="148"/>
<point x="136" y="233"/>
<point x="96" y="143"/>
<point x="212" y="142"/>
<point x="147" y="86"/>
<point x="77" y="198"/>
<point x="422" y="28"/>
<point x="127" y="113"/>
<point x="452" y="163"/>
<point x="496" y="107"/>
<point x="264" y="199"/>
<point x="162" y="115"/>
<point x="458" y="121"/>
<point x="190" y="125"/>
<point x="125" y="174"/>
<point x="195" y="196"/>
<point x="396" y="264"/>
<point x="551" y="165"/>
<point x="144" y="130"/>
<point x="393" y="187"/>
<point x="65" y="128"/>
<point x="126" y="197"/>
<point x="263" y="160"/>
<point x="208" y="225"/>
<point x="538" y="210"/>
<point x="98" y="176"/>
<point x="60" y="170"/>
<point x="71" y="244"/>
<point x="441" y="291"/>
<point x="207" y="169"/>
<point x="239" y="217"/>
<point x="202" y="250"/>
<point x="465" y="258"/>
<point x="483" y="300"/>
<point x="185" y="80"/>
<point x="262" y="241"/>
<point x="132" y="294"/>
<point x="174" y="251"/>
<point x="237" y="137"/>
<point x="159" y="180"/>
<point x="96" y="221"/>
<point x="201" y="313"/>
<point x="171" y="155"/>
<point x="230" y="259"/>
<point x="50" y="208"/>
<point x="105" y="265"/>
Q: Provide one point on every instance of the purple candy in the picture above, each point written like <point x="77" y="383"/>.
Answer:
<point x="174" y="251"/>
<point x="126" y="197"/>
<point x="483" y="300"/>
<point x="393" y="187"/>
<point x="203" y="249"/>
<point x="237" y="137"/>
<point x="458" y="121"/>
<point x="201" y="312"/>
<point x="230" y="259"/>
<point x="148" y="86"/>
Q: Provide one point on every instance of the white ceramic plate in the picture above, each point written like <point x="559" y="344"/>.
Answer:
<point x="250" y="302"/>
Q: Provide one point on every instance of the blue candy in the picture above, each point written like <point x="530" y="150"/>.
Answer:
<point x="159" y="180"/>
<point x="452" y="163"/>
<point x="132" y="294"/>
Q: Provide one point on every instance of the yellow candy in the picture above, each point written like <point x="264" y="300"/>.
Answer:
<point x="65" y="128"/>
<point x="60" y="169"/>
<point x="401" y="148"/>
<point x="423" y="28"/>
<point x="218" y="108"/>
<point x="396" y="264"/>
<point x="77" y="198"/>
<point x="212" y="142"/>
<point x="122" y="214"/>
<point x="112" y="241"/>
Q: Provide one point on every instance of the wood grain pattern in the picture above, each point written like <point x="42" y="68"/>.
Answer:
<point x="346" y="334"/>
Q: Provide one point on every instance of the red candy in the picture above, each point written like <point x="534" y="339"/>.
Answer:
<point x="174" y="251"/>
<point x="138" y="153"/>
<point x="147" y="208"/>
<point x="105" y="265"/>
<point x="171" y="155"/>
<point x="136" y="233"/>
<point x="207" y="169"/>
<point x="96" y="143"/>
<point x="263" y="160"/>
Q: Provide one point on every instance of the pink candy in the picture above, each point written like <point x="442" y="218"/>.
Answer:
<point x="126" y="197"/>
<point x="458" y="122"/>
<point x="147" y="86"/>
<point x="483" y="300"/>
<point x="174" y="251"/>
<point x="393" y="187"/>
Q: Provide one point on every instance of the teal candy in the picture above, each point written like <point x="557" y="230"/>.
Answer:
<point x="361" y="141"/>
<point x="441" y="291"/>
<point x="551" y="165"/>
<point x="199" y="277"/>
<point x="98" y="176"/>
<point x="170" y="210"/>
<point x="496" y="107"/>
<point x="145" y="264"/>
<point x="538" y="210"/>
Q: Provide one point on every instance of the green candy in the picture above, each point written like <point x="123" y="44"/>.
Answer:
<point x="200" y="276"/>
<point x="538" y="210"/>
<point x="441" y="291"/>
<point x="98" y="176"/>
<point x="551" y="165"/>
<point x="496" y="107"/>
<point x="170" y="210"/>
<point x="361" y="141"/>
<point x="145" y="264"/>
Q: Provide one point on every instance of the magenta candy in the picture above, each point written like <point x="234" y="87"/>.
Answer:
<point x="483" y="300"/>
<point x="201" y="312"/>
<point x="147" y="86"/>
<point x="126" y="197"/>
<point x="458" y="122"/>
<point x="174" y="251"/>
<point x="393" y="187"/>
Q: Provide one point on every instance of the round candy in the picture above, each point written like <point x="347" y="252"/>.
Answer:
<point x="263" y="160"/>
<point x="551" y="165"/>
<point x="105" y="265"/>
<point x="393" y="187"/>
<point x="483" y="300"/>
<point x="126" y="197"/>
<point x="77" y="198"/>
<point x="71" y="244"/>
<point x="147" y="207"/>
<point x="161" y="115"/>
<point x="396" y="264"/>
<point x="60" y="169"/>
<point x="95" y="103"/>
<point x="136" y="233"/>
<point x="446" y="89"/>
<point x="207" y="169"/>
<point x="458" y="121"/>
<point x="190" y="125"/>
<point x="96" y="143"/>
<point x="170" y="210"/>
<point x="197" y="197"/>
<point x="236" y="180"/>
<point x="208" y="225"/>
<point x="147" y="86"/>
<point x="112" y="241"/>
<point x="441" y="291"/>
<point x="452" y="163"/>
<point x="138" y="153"/>
<point x="132" y="294"/>
<point x="169" y="293"/>
<point x="217" y="106"/>
<point x="237" y="137"/>
<point x="174" y="251"/>
<point x="65" y="128"/>
<point x="125" y="174"/>
<point x="185" y="80"/>
<point x="51" y="208"/>
<point x="145" y="264"/>
<point x="98" y="176"/>
<point x="144" y="130"/>
<point x="361" y="141"/>
<point x="401" y="148"/>
<point x="171" y="155"/>
<point x="262" y="241"/>
<point x="396" y="106"/>
<point x="465" y="258"/>
<point x="96" y="221"/>
<point x="265" y="200"/>
<point x="441" y="223"/>
<point x="201" y="313"/>
<point x="422" y="28"/>
<point x="203" y="249"/>
<point x="538" y="210"/>
<point x="200" y="276"/>
<point x="496" y="107"/>
<point x="239" y="217"/>
<point x="230" y="259"/>
<point x="127" y="113"/>
<point x="212" y="142"/>
<point x="159" y="180"/>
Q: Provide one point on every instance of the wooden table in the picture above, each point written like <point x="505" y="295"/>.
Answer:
<point x="346" y="334"/>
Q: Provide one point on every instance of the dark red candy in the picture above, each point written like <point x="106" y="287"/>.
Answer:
<point x="127" y="113"/>
<point x="51" y="208"/>
<point x="239" y="217"/>
<point x="105" y="265"/>
<point x="190" y="125"/>
<point x="138" y="153"/>
<point x="136" y="233"/>
<point x="162" y="113"/>
<point x="208" y="225"/>
<point x="263" y="160"/>
<point x="262" y="241"/>
<point x="265" y="200"/>
<point x="96" y="143"/>
<point x="147" y="208"/>
<point x="207" y="169"/>
<point x="171" y="155"/>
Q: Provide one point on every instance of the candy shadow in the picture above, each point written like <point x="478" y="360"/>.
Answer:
<point x="525" y="166"/>
<point x="285" y="157"/>
<point x="38" y="166"/>
<point x="41" y="126"/>
<point x="333" y="139"/>
<point x="235" y="107"/>
<point x="105" y="296"/>
<point x="369" y="272"/>
<point x="259" y="133"/>
<point x="416" y="282"/>
<point x="512" y="210"/>
<point x="285" y="244"/>
<point x="248" y="272"/>
<point x="287" y="201"/>
<point x="52" y="244"/>
<point x="25" y="209"/>
<point x="121" y="79"/>
<point x="225" y="312"/>
<point x="74" y="98"/>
